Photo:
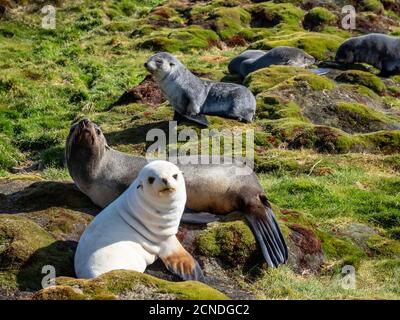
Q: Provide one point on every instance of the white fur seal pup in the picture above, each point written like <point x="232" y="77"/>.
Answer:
<point x="282" y="55"/>
<point x="103" y="174"/>
<point x="138" y="227"/>
<point x="234" y="64"/>
<point x="379" y="50"/>
<point x="191" y="96"/>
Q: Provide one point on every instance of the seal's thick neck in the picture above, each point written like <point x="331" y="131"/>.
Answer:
<point x="155" y="219"/>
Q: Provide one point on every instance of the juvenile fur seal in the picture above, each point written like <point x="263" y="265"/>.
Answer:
<point x="103" y="174"/>
<point x="378" y="50"/>
<point x="278" y="56"/>
<point x="191" y="96"/>
<point x="138" y="227"/>
<point x="234" y="65"/>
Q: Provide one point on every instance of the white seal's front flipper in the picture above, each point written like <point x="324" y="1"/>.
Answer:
<point x="199" y="118"/>
<point x="320" y="71"/>
<point x="199" y="217"/>
<point x="179" y="261"/>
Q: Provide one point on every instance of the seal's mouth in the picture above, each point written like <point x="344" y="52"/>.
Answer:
<point x="167" y="190"/>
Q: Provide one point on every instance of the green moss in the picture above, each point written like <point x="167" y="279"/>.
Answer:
<point x="366" y="79"/>
<point x="279" y="15"/>
<point x="230" y="21"/>
<point x="166" y="16"/>
<point x="382" y="246"/>
<point x="387" y="142"/>
<point x="371" y="5"/>
<point x="320" y="46"/>
<point x="233" y="242"/>
<point x="360" y="115"/>
<point x="343" y="250"/>
<point x="25" y="249"/>
<point x="316" y="82"/>
<point x="9" y="155"/>
<point x="394" y="233"/>
<point x="319" y="17"/>
<point x="121" y="282"/>
<point x="264" y="79"/>
<point x="183" y="39"/>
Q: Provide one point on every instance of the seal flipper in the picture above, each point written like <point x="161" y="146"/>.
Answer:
<point x="268" y="235"/>
<point x="199" y="118"/>
<point x="180" y="262"/>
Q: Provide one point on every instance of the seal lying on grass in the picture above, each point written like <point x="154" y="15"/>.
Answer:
<point x="193" y="98"/>
<point x="252" y="60"/>
<point x="103" y="174"/>
<point x="378" y="50"/>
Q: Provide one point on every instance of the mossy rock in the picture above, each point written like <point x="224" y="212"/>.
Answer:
<point x="166" y="16"/>
<point x="230" y="21"/>
<point x="232" y="242"/>
<point x="279" y="15"/>
<point x="318" y="18"/>
<point x="363" y="78"/>
<point x="184" y="39"/>
<point x="313" y="81"/>
<point x="386" y="142"/>
<point x="123" y="284"/>
<point x="320" y="46"/>
<point x="356" y="117"/>
<point x="266" y="78"/>
<point x="341" y="250"/>
<point x="384" y="247"/>
<point x="375" y="6"/>
<point x="25" y="248"/>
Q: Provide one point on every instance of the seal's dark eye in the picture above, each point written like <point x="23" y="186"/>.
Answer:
<point x="98" y="131"/>
<point x="175" y="176"/>
<point x="172" y="64"/>
<point x="151" y="180"/>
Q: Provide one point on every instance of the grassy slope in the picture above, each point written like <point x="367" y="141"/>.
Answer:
<point x="50" y="78"/>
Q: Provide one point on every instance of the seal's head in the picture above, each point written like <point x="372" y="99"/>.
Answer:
<point x="301" y="59"/>
<point x="344" y="53"/>
<point x="85" y="140"/>
<point x="162" y="180"/>
<point x="162" y="64"/>
<point x="306" y="60"/>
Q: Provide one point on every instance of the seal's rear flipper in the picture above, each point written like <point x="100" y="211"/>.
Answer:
<point x="269" y="236"/>
<point x="199" y="118"/>
<point x="180" y="262"/>
<point x="320" y="71"/>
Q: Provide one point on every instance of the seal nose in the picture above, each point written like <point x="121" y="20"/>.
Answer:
<point x="85" y="122"/>
<point x="165" y="181"/>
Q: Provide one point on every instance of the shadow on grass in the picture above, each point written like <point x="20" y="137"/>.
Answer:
<point x="46" y="194"/>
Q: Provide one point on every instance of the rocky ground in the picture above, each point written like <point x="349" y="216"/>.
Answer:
<point x="327" y="147"/>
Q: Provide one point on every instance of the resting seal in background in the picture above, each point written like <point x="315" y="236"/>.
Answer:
<point x="234" y="65"/>
<point x="278" y="56"/>
<point x="103" y="174"/>
<point x="192" y="97"/>
<point x="378" y="50"/>
<point x="138" y="227"/>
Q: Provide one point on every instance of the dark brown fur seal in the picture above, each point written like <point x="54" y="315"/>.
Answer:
<point x="103" y="174"/>
<point x="378" y="50"/>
